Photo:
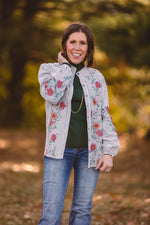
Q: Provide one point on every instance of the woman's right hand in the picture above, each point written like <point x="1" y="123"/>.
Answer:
<point x="61" y="59"/>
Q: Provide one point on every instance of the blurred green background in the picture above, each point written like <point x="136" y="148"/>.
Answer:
<point x="30" y="34"/>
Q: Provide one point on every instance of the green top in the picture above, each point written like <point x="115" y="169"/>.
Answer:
<point x="77" y="134"/>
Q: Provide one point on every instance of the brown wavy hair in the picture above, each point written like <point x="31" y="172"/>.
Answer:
<point x="79" y="27"/>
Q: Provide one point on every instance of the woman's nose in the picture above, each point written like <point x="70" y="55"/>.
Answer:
<point x="77" y="46"/>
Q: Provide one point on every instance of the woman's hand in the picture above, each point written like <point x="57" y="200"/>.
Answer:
<point x="105" y="163"/>
<point x="61" y="59"/>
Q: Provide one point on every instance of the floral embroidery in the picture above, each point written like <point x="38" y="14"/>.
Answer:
<point x="62" y="105"/>
<point x="99" y="133"/>
<point x="51" y="123"/>
<point x="59" y="84"/>
<point x="98" y="84"/>
<point x="96" y="125"/>
<point x="46" y="84"/>
<point x="99" y="124"/>
<point x="107" y="108"/>
<point x="53" y="115"/>
<point x="94" y="101"/>
<point x="53" y="137"/>
<point x="93" y="147"/>
<point x="50" y="91"/>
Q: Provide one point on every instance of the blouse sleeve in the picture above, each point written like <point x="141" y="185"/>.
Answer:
<point x="110" y="141"/>
<point x="54" y="81"/>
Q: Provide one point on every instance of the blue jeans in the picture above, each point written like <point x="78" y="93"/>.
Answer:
<point x="55" y="182"/>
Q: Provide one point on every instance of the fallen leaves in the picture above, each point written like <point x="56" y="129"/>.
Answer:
<point x="122" y="197"/>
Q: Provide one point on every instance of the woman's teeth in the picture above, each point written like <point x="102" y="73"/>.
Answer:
<point x="74" y="54"/>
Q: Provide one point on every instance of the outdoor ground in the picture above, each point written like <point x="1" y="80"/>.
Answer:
<point x="122" y="197"/>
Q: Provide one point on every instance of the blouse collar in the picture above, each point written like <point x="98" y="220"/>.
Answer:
<point x="78" y="66"/>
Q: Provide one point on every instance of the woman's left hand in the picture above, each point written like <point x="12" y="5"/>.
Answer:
<point x="105" y="163"/>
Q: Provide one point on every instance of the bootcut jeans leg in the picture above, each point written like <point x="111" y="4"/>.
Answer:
<point x="85" y="180"/>
<point x="55" y="182"/>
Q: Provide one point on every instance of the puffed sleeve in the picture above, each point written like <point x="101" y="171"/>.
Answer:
<point x="110" y="140"/>
<point x="54" y="79"/>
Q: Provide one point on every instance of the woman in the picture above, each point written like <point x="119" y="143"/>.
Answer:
<point x="79" y="129"/>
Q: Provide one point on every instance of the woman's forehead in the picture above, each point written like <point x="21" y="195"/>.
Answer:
<point x="77" y="35"/>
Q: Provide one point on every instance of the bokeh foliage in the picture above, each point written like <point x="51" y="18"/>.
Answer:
<point x="30" y="34"/>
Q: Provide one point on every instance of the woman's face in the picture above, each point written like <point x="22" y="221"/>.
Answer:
<point x="76" y="47"/>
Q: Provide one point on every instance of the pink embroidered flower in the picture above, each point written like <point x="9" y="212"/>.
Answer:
<point x="62" y="105"/>
<point x="53" y="115"/>
<point x="46" y="84"/>
<point x="98" y="84"/>
<point x="50" y="91"/>
<point x="53" y="137"/>
<point x="93" y="147"/>
<point x="51" y="123"/>
<point x="96" y="125"/>
<point x="94" y="101"/>
<point x="107" y="108"/>
<point x="99" y="133"/>
<point x="59" y="84"/>
<point x="111" y="118"/>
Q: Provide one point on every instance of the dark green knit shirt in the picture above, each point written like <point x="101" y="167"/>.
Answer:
<point x="77" y="134"/>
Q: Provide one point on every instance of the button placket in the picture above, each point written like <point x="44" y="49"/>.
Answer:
<point x="87" y="103"/>
<point x="88" y="115"/>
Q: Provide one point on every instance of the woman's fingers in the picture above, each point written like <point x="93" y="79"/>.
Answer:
<point x="105" y="163"/>
<point x="61" y="59"/>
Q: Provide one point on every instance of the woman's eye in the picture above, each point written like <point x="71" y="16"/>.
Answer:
<point x="72" y="42"/>
<point x="83" y="43"/>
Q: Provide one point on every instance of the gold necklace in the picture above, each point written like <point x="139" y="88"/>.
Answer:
<point x="79" y="106"/>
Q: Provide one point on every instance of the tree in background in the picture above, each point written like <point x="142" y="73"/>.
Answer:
<point x="24" y="37"/>
<point x="122" y="31"/>
<point x="30" y="33"/>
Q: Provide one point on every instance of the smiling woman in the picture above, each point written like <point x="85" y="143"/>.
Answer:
<point x="80" y="132"/>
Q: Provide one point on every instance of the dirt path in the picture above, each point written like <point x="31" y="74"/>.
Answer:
<point x="122" y="197"/>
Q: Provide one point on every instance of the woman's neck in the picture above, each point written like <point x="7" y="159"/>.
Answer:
<point x="78" y="66"/>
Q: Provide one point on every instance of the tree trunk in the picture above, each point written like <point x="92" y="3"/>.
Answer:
<point x="14" y="108"/>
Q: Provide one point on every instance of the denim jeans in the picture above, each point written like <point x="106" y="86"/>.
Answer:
<point x="55" y="182"/>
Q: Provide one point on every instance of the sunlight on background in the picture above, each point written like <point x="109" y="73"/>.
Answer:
<point x="123" y="143"/>
<point x="144" y="2"/>
<point x="4" y="143"/>
<point x="101" y="57"/>
<point x="19" y="167"/>
<point x="96" y="198"/>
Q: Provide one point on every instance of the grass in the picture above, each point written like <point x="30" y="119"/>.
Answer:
<point x="122" y="197"/>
